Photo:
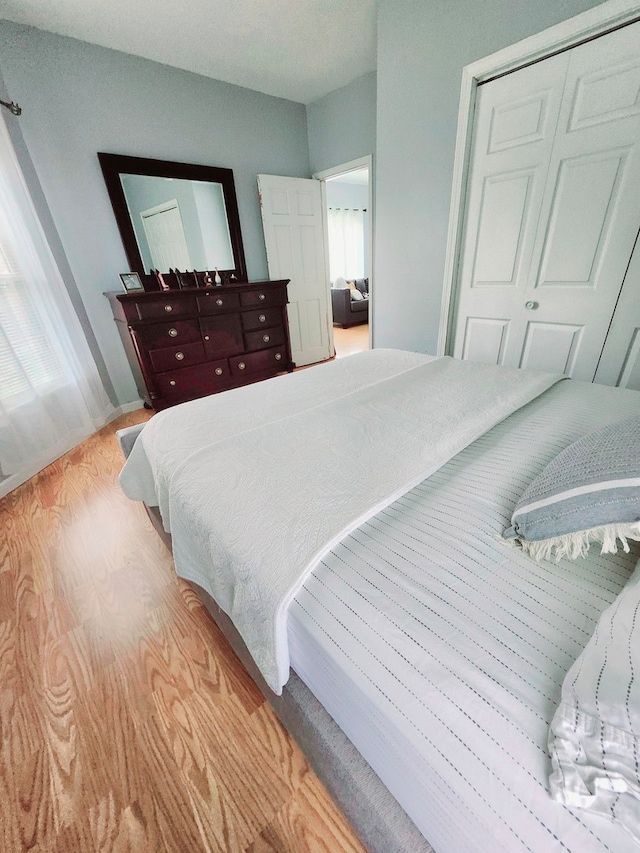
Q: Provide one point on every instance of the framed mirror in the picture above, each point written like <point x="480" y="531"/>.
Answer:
<point x="175" y="215"/>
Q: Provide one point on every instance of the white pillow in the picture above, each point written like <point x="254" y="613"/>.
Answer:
<point x="594" y="738"/>
<point x="340" y="284"/>
<point x="356" y="295"/>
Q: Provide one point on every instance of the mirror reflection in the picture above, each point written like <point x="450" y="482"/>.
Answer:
<point x="175" y="216"/>
<point x="179" y="223"/>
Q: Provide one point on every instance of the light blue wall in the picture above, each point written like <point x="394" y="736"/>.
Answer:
<point x="342" y="125"/>
<point x="422" y="48"/>
<point x="79" y="99"/>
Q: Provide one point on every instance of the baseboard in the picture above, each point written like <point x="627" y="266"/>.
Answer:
<point x="125" y="408"/>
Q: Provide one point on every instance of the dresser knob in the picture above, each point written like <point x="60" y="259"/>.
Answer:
<point x="218" y="371"/>
<point x="266" y="338"/>
<point x="172" y="382"/>
<point x="173" y="333"/>
<point x="278" y="356"/>
<point x="168" y="308"/>
<point x="219" y="302"/>
<point x="179" y="356"/>
<point x="241" y="365"/>
<point x="261" y="297"/>
<point x="206" y="337"/>
<point x="262" y="318"/>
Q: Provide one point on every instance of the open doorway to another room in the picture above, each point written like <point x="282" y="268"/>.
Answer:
<point x="347" y="200"/>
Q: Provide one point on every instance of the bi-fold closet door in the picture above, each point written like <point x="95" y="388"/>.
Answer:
<point x="553" y="208"/>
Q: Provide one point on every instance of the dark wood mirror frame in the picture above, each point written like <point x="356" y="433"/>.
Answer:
<point x="113" y="165"/>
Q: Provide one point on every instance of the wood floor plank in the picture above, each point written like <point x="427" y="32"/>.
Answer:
<point x="126" y="721"/>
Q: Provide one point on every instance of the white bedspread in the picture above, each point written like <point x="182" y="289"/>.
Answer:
<point x="253" y="513"/>
<point x="170" y="438"/>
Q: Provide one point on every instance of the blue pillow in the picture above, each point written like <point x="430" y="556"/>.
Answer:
<point x="589" y="493"/>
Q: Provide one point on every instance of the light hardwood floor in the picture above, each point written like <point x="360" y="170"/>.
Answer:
<point x="351" y="340"/>
<point x="127" y="723"/>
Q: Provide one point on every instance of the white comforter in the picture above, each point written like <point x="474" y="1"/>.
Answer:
<point x="251" y="514"/>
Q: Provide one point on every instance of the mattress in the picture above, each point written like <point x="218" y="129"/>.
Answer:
<point x="440" y="648"/>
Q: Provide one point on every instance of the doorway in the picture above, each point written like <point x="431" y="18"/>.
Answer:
<point x="348" y="216"/>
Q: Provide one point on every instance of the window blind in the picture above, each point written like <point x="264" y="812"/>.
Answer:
<point x="27" y="359"/>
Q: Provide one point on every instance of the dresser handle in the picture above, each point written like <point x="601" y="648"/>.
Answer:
<point x="219" y="302"/>
<point x="262" y="318"/>
<point x="241" y="365"/>
<point x="261" y="297"/>
<point x="168" y="308"/>
<point x="172" y="382"/>
<point x="266" y="338"/>
<point x="179" y="356"/>
<point x="278" y="356"/>
<point x="173" y="333"/>
<point x="206" y="337"/>
<point x="218" y="371"/>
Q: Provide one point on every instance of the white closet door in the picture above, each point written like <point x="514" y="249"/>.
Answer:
<point x="561" y="305"/>
<point x="515" y="123"/>
<point x="620" y="361"/>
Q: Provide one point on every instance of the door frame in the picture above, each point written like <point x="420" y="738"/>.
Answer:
<point x="365" y="162"/>
<point x="588" y="25"/>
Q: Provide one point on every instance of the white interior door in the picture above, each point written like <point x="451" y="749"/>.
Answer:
<point x="164" y="230"/>
<point x="552" y="212"/>
<point x="294" y="238"/>
<point x="620" y="360"/>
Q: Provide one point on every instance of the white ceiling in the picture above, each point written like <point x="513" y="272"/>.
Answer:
<point x="295" y="49"/>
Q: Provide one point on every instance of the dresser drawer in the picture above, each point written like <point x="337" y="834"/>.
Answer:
<point x="169" y="334"/>
<point x="261" y="319"/>
<point x="215" y="302"/>
<point x="265" y="361"/>
<point x="263" y="338"/>
<point x="222" y="335"/>
<point x="258" y="298"/>
<point x="152" y="309"/>
<point x="172" y="357"/>
<point x="193" y="382"/>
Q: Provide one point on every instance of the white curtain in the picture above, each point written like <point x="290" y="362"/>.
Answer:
<point x="51" y="396"/>
<point x="346" y="243"/>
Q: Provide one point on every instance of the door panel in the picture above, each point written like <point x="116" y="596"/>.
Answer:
<point x="580" y="222"/>
<point x="485" y="339"/>
<point x="577" y="226"/>
<point x="519" y="123"/>
<point x="294" y="237"/>
<point x="606" y="95"/>
<point x="630" y="374"/>
<point x="551" y="346"/>
<point x="620" y="360"/>
<point x="502" y="213"/>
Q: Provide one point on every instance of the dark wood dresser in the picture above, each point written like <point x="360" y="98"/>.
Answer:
<point x="188" y="343"/>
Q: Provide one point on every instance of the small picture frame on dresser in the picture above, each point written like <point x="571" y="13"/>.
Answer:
<point x="131" y="281"/>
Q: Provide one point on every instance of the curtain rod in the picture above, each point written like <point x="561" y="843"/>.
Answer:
<point x="13" y="108"/>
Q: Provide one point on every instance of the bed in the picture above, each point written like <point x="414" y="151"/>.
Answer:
<point x="417" y="655"/>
